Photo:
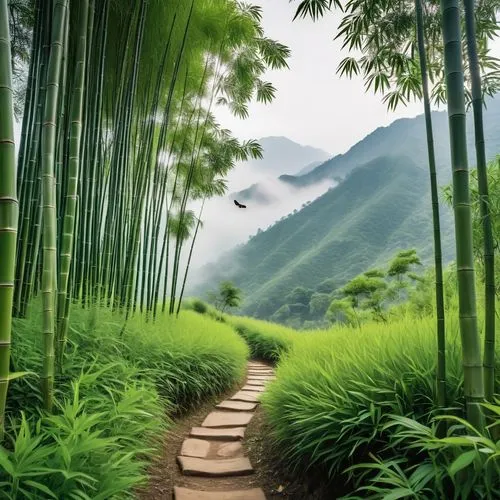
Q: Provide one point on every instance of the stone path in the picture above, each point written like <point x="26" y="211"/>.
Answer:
<point x="214" y="450"/>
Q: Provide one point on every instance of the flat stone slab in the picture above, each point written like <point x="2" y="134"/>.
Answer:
<point x="253" y="388"/>
<point x="234" y="434"/>
<point x="260" y="373"/>
<point x="227" y="419"/>
<point x="224" y="467"/>
<point x="256" y="383"/>
<point x="236" y="405"/>
<point x="187" y="494"/>
<point x="230" y="450"/>
<point x="250" y="397"/>
<point x="261" y="377"/>
<point x="195" y="448"/>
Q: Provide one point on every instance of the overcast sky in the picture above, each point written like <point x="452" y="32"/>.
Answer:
<point x="314" y="106"/>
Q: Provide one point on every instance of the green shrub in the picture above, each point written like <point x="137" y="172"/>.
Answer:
<point x="199" y="306"/>
<point x="463" y="464"/>
<point x="333" y="391"/>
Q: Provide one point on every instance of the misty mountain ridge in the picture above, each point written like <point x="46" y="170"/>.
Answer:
<point x="381" y="205"/>
<point x="280" y="155"/>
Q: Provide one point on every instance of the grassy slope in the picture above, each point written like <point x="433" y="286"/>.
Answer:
<point x="335" y="390"/>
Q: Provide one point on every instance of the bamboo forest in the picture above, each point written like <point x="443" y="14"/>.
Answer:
<point x="249" y="249"/>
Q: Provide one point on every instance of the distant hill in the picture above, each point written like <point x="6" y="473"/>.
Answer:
<point x="381" y="206"/>
<point x="282" y="155"/>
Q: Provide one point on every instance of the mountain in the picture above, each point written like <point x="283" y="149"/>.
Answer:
<point x="282" y="155"/>
<point x="258" y="192"/>
<point x="279" y="155"/>
<point x="309" y="168"/>
<point x="405" y="136"/>
<point x="381" y="205"/>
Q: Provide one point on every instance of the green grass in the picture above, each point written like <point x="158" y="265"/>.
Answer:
<point x="267" y="341"/>
<point x="119" y="388"/>
<point x="336" y="389"/>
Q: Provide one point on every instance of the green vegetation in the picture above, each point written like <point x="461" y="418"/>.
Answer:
<point x="119" y="139"/>
<point x="226" y="297"/>
<point x="267" y="341"/>
<point x="121" y="381"/>
<point x="340" y="396"/>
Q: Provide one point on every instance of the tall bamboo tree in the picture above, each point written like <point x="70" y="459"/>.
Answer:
<point x="49" y="133"/>
<point x="488" y="243"/>
<point x="471" y="351"/>
<point x="8" y="207"/>
<point x="438" y="261"/>
<point x="80" y="9"/>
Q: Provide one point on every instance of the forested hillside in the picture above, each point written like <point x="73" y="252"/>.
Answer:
<point x="382" y="206"/>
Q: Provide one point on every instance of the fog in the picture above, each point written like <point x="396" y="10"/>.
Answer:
<point x="225" y="225"/>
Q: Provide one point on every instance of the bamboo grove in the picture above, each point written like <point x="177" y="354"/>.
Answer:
<point x="118" y="140"/>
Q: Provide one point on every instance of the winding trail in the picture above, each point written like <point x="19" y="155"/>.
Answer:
<point x="212" y="456"/>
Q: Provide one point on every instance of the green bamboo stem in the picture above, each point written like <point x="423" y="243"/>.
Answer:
<point x="49" y="132"/>
<point x="482" y="177"/>
<point x="438" y="263"/>
<point x="8" y="208"/>
<point x="68" y="232"/>
<point x="471" y="350"/>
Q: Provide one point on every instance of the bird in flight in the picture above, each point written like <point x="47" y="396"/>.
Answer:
<point x="239" y="205"/>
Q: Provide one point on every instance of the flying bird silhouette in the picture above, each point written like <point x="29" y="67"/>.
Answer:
<point x="239" y="205"/>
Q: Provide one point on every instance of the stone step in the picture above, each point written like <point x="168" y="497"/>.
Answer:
<point x="236" y="405"/>
<point x="233" y="434"/>
<point x="256" y="383"/>
<point x="261" y="377"/>
<point x="259" y="373"/>
<point x="187" y="494"/>
<point x="253" y="388"/>
<point x="226" y="467"/>
<point x="229" y="450"/>
<point x="198" y="448"/>
<point x="227" y="419"/>
<point x="250" y="397"/>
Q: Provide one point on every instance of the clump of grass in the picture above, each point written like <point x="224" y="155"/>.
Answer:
<point x="267" y="341"/>
<point x="197" y="305"/>
<point x="120" y="383"/>
<point x="334" y="390"/>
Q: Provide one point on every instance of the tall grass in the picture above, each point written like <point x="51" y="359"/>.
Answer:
<point x="120" y="384"/>
<point x="267" y="341"/>
<point x="335" y="390"/>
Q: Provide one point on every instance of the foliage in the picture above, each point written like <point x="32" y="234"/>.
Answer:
<point x="328" y="407"/>
<point x="227" y="297"/>
<point x="402" y="263"/>
<point x="267" y="341"/>
<point x="120" y="379"/>
<point x="463" y="464"/>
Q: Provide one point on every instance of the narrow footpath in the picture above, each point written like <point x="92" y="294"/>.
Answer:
<point x="211" y="458"/>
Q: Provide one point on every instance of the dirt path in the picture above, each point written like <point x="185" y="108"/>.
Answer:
<point x="204" y="455"/>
